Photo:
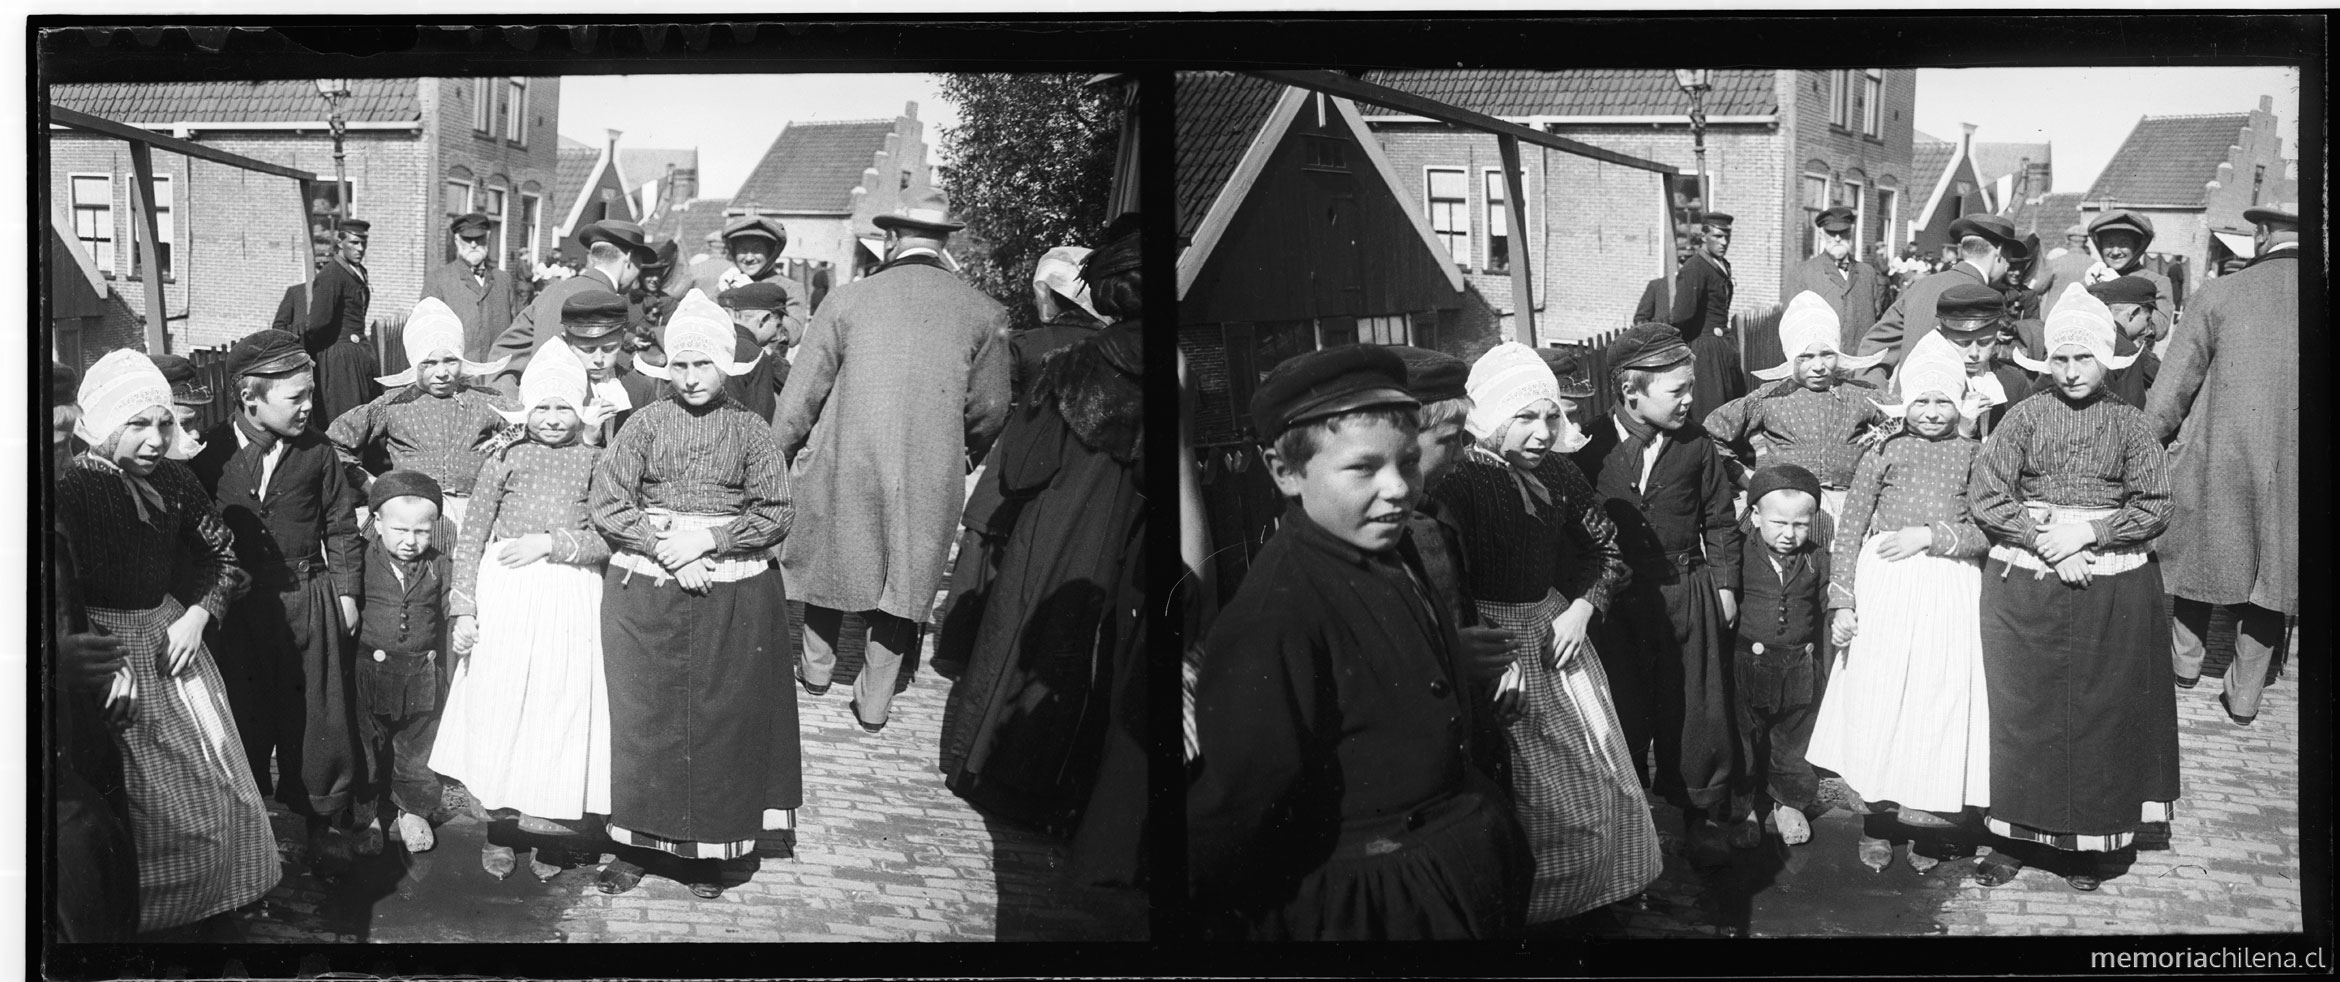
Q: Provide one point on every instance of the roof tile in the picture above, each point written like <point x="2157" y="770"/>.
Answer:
<point x="814" y="166"/>
<point x="1217" y="115"/>
<point x="2167" y="160"/>
<point x="373" y="100"/>
<point x="1581" y="92"/>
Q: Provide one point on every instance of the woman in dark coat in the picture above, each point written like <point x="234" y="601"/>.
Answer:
<point x="1049" y="708"/>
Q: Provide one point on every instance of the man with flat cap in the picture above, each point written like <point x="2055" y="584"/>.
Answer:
<point x="754" y="243"/>
<point x="2121" y="237"/>
<point x="2135" y="304"/>
<point x="1983" y="244"/>
<point x="594" y="324"/>
<point x="479" y="293"/>
<point x="334" y="331"/>
<point x="615" y="252"/>
<point x="758" y="311"/>
<point x="899" y="382"/>
<point x="2227" y="405"/>
<point x="1852" y="288"/>
<point x="1702" y="312"/>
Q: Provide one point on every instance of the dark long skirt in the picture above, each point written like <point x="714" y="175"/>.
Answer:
<point x="1457" y="869"/>
<point x="2083" y="707"/>
<point x="1668" y="658"/>
<point x="702" y="712"/>
<point x="286" y="662"/>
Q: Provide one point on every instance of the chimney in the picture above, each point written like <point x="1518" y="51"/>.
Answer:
<point x="2267" y="104"/>
<point x="1967" y="141"/>
<point x="613" y="137"/>
<point x="910" y="109"/>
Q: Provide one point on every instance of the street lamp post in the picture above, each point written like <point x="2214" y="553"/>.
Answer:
<point x="1695" y="82"/>
<point x="334" y="90"/>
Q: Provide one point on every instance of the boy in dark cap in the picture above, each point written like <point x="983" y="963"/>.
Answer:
<point x="1665" y="644"/>
<point x="759" y="313"/>
<point x="401" y="617"/>
<point x="1972" y="317"/>
<point x="2135" y="304"/>
<point x="280" y="487"/>
<point x="1777" y="654"/>
<point x="594" y="323"/>
<point x="1330" y="664"/>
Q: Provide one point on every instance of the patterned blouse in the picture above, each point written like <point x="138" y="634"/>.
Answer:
<point x="1910" y="481"/>
<point x="1813" y="430"/>
<point x="439" y="437"/>
<point x="718" y="459"/>
<point x="127" y="564"/>
<point x="528" y="489"/>
<point x="2101" y="454"/>
<point x="1516" y="551"/>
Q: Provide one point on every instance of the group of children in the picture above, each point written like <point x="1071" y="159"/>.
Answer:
<point x="514" y="548"/>
<point x="1484" y="631"/>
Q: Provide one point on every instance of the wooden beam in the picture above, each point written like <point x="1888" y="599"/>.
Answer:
<point x="1523" y="297"/>
<point x="158" y="339"/>
<point x="1335" y="83"/>
<point x="123" y="131"/>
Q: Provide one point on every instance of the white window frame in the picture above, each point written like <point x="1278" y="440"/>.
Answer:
<point x="1873" y="108"/>
<point x="1803" y="200"/>
<point x="535" y="223"/>
<point x="516" y="125"/>
<point x="483" y="105"/>
<point x="1892" y="218"/>
<point x="166" y="231"/>
<point x="1855" y="190"/>
<point x="1392" y="329"/>
<point x="1839" y="98"/>
<point x="1494" y="188"/>
<point x="102" y="256"/>
<point x="1462" y="256"/>
<point x="503" y="216"/>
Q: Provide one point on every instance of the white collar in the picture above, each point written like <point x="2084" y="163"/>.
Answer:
<point x="917" y="251"/>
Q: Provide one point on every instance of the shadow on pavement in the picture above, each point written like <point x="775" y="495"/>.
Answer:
<point x="1040" y="901"/>
<point x="443" y="895"/>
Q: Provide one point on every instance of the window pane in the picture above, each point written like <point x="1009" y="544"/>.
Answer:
<point x="1495" y="187"/>
<point x="458" y="198"/>
<point x="1447" y="184"/>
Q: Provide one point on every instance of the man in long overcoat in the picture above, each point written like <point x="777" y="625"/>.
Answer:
<point x="1702" y="312"/>
<point x="1851" y="287"/>
<point x="2225" y="399"/>
<point x="481" y="295"/>
<point x="1982" y="242"/>
<point x="334" y="329"/>
<point x="901" y="377"/>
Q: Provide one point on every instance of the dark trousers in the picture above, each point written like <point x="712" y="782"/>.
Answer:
<point x="1668" y="661"/>
<point x="1777" y="705"/>
<point x="285" y="659"/>
<point x="890" y="638"/>
<point x="400" y="695"/>
<point x="2258" y="632"/>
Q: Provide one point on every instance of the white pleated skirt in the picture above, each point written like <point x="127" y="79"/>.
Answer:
<point x="1907" y="716"/>
<point x="526" y="724"/>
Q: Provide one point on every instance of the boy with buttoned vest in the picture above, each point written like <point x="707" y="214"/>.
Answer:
<point x="402" y="610"/>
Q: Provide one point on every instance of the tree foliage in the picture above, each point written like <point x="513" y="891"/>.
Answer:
<point x="1031" y="168"/>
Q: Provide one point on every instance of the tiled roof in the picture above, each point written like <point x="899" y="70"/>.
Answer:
<point x="690" y="223"/>
<point x="1927" y="159"/>
<point x="1218" y="115"/>
<point x="648" y="165"/>
<point x="1580" y="92"/>
<point x="576" y="167"/>
<point x="2049" y="217"/>
<point x="372" y="100"/>
<point x="814" y="166"/>
<point x="2167" y="159"/>
<point x="1996" y="160"/>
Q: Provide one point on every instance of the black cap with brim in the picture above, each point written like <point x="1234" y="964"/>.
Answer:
<point x="2271" y="216"/>
<point x="1319" y="384"/>
<point x="357" y="226"/>
<point x="594" y="314"/>
<point x="1433" y="376"/>
<point x="1837" y="219"/>
<point x="268" y="354"/>
<point x="624" y="235"/>
<point x="471" y="226"/>
<point x="1969" y="311"/>
<point x="1991" y="227"/>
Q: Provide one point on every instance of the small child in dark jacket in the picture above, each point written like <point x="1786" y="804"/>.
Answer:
<point x="1776" y="656"/>
<point x="401" y="613"/>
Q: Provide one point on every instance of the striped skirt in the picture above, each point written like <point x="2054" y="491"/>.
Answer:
<point x="1907" y="716"/>
<point x="201" y="831"/>
<point x="526" y="724"/>
<point x="1572" y="779"/>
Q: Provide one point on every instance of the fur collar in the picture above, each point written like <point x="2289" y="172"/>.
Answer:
<point x="1098" y="391"/>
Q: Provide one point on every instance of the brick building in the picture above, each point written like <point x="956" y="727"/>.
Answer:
<point x="589" y="186"/>
<point x="2193" y="176"/>
<point x="1780" y="147"/>
<point x="825" y="180"/>
<point x="418" y="152"/>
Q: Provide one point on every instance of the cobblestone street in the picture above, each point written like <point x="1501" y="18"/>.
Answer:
<point x="885" y="853"/>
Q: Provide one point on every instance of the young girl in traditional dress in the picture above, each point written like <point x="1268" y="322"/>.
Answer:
<point x="433" y="419"/>
<point x="2072" y="490"/>
<point x="201" y="831"/>
<point x="1906" y="718"/>
<point x="1542" y="558"/>
<point x="526" y="725"/>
